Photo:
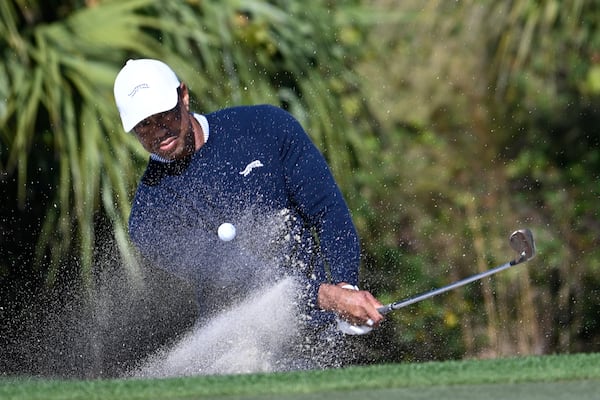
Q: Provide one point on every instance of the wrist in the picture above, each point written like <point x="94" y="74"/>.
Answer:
<point x="324" y="296"/>
<point x="328" y="295"/>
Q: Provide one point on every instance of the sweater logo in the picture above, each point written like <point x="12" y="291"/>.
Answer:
<point x="250" y="167"/>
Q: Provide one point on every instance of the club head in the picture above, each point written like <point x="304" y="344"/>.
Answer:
<point x="522" y="242"/>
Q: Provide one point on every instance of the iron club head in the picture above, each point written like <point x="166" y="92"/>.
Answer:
<point x="522" y="242"/>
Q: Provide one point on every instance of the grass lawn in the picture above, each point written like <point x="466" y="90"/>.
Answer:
<point x="527" y="378"/>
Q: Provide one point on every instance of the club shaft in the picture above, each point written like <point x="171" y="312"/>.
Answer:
<point x="411" y="300"/>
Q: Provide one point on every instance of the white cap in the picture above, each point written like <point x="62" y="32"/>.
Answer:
<point x="143" y="88"/>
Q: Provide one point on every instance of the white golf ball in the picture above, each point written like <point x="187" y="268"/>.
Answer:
<point x="226" y="232"/>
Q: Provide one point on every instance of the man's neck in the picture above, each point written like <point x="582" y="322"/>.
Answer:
<point x="199" y="135"/>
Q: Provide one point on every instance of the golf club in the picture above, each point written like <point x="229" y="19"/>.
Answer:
<point x="521" y="241"/>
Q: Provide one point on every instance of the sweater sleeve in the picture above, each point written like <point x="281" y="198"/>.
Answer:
<point x="319" y="200"/>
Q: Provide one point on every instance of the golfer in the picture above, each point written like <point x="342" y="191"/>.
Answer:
<point x="253" y="167"/>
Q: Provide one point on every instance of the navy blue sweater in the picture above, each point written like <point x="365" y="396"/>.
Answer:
<point x="260" y="171"/>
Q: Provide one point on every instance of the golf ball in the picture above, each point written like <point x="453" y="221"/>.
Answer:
<point x="226" y="232"/>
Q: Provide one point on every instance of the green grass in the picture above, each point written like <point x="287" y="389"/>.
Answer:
<point x="575" y="376"/>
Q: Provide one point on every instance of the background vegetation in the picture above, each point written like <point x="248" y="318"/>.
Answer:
<point x="447" y="125"/>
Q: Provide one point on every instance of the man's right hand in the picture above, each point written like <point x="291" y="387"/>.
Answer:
<point x="358" y="307"/>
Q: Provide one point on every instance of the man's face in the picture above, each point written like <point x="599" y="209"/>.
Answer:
<point x="169" y="134"/>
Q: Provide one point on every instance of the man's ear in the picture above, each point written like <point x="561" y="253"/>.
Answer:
<point x="185" y="96"/>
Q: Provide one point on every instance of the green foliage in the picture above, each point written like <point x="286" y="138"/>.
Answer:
<point x="58" y="77"/>
<point x="490" y="111"/>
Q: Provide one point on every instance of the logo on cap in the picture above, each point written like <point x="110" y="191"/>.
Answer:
<point x="137" y="88"/>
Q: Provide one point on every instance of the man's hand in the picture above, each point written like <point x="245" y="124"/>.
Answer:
<point x="355" y="306"/>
